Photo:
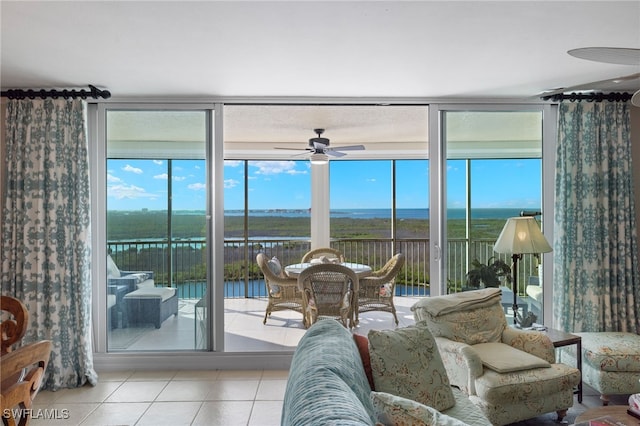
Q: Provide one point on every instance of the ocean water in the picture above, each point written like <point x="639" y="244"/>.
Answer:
<point x="480" y="213"/>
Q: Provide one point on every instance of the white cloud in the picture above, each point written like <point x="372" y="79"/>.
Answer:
<point x="162" y="176"/>
<point x="230" y="183"/>
<point x="197" y="186"/>
<point x="232" y="163"/>
<point x="112" y="178"/>
<point x="179" y="178"/>
<point x="128" y="191"/>
<point x="276" y="167"/>
<point x="158" y="162"/>
<point x="129" y="168"/>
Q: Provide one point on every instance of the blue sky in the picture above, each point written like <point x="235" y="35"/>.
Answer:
<point x="139" y="184"/>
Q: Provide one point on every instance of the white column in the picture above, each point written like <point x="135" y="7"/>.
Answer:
<point x="319" y="205"/>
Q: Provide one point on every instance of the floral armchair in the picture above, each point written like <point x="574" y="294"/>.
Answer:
<point x="511" y="374"/>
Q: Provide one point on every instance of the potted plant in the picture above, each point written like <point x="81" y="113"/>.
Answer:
<point x="490" y="274"/>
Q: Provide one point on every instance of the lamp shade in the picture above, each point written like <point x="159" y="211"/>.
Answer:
<point x="521" y="235"/>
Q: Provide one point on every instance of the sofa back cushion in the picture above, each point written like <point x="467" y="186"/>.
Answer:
<point x="406" y="362"/>
<point x="327" y="383"/>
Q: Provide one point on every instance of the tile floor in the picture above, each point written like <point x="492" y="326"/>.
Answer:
<point x="172" y="398"/>
<point x="212" y="398"/>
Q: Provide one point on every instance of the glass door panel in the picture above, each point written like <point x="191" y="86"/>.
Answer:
<point x="493" y="172"/>
<point x="156" y="230"/>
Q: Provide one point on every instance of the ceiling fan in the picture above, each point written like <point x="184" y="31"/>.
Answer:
<point x="320" y="149"/>
<point x="610" y="55"/>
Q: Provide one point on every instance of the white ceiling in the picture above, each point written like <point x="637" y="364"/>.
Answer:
<point x="357" y="50"/>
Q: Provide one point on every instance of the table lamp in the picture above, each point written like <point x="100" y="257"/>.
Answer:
<point x="520" y="235"/>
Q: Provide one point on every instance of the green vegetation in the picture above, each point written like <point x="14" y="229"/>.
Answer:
<point x="153" y="224"/>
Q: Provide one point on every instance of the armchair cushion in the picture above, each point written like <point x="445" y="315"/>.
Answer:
<point x="505" y="359"/>
<point x="396" y="410"/>
<point x="112" y="268"/>
<point x="406" y="362"/>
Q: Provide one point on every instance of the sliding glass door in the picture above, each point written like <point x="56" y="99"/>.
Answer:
<point x="493" y="172"/>
<point x="156" y="229"/>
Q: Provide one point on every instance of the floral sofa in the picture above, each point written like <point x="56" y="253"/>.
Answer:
<point x="510" y="374"/>
<point x="388" y="377"/>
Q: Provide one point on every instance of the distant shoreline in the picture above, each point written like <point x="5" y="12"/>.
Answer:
<point x="364" y="213"/>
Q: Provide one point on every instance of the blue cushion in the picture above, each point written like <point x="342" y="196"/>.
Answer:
<point x="327" y="383"/>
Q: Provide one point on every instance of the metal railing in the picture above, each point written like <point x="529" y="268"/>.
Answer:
<point x="183" y="264"/>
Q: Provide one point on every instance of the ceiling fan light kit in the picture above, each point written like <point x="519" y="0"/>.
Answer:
<point x="319" y="159"/>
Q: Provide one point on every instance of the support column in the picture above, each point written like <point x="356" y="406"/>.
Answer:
<point x="319" y="205"/>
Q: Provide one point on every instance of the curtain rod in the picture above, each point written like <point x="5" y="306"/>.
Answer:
<point x="94" y="92"/>
<point x="590" y="97"/>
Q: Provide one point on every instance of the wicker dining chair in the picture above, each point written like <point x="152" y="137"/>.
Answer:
<point x="376" y="290"/>
<point x="282" y="291"/>
<point x="328" y="252"/>
<point x="328" y="291"/>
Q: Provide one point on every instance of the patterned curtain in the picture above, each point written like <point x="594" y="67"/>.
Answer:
<point x="46" y="239"/>
<point x="596" y="282"/>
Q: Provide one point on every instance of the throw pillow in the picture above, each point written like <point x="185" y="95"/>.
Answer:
<point x="363" y="347"/>
<point x="395" y="410"/>
<point x="406" y="362"/>
<point x="503" y="358"/>
<point x="275" y="266"/>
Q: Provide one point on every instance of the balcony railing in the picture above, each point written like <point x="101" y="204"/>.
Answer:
<point x="183" y="264"/>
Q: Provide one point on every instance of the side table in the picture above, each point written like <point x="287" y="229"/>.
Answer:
<point x="560" y="338"/>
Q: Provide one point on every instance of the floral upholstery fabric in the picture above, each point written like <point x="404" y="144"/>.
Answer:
<point x="406" y="362"/>
<point x="470" y="326"/>
<point x="503" y="397"/>
<point x="394" y="410"/>
<point x="610" y="361"/>
<point x="465" y="410"/>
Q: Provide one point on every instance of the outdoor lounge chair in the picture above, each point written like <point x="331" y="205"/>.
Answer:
<point x="282" y="291"/>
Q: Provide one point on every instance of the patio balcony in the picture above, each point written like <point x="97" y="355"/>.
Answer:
<point x="183" y="267"/>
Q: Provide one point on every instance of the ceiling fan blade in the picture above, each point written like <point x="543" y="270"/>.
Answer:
<point x="635" y="99"/>
<point x="348" y="148"/>
<point x="292" y="149"/>
<point x="334" y="153"/>
<point x="609" y="55"/>
<point x="320" y="145"/>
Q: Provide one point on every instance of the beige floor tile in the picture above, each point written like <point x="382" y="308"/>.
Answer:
<point x="114" y="376"/>
<point x="116" y="414"/>
<point x="275" y="374"/>
<point x="204" y="375"/>
<point x="266" y="413"/>
<point x="150" y="375"/>
<point x="187" y="390"/>
<point x="137" y="392"/>
<point x="66" y="414"/>
<point x="233" y="390"/>
<point x="270" y="390"/>
<point x="224" y="413"/>
<point x="170" y="414"/>
<point x="88" y="393"/>
<point x="240" y="375"/>
<point x="46" y="397"/>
